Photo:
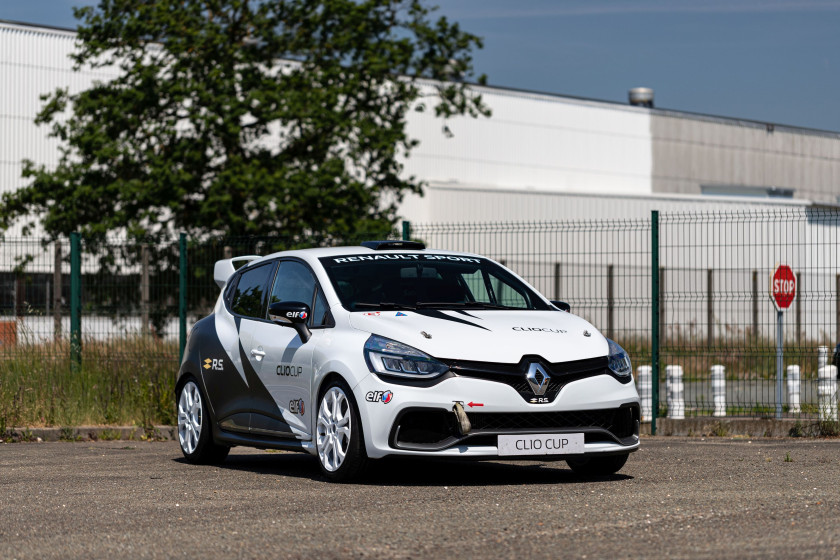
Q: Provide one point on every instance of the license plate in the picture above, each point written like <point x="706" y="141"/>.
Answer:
<point x="541" y="444"/>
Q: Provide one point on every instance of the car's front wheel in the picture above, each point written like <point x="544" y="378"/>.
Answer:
<point x="194" y="432"/>
<point x="339" y="442"/>
<point x="597" y="466"/>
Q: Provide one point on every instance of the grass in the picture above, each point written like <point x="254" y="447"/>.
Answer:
<point x="720" y="430"/>
<point x="127" y="381"/>
<point x="130" y="380"/>
<point x="109" y="435"/>
<point x="745" y="356"/>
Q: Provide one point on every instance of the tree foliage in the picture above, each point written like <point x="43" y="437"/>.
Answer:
<point x="237" y="117"/>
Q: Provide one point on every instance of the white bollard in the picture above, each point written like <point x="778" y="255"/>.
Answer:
<point x="676" y="392"/>
<point x="719" y="390"/>
<point x="644" y="377"/>
<point x="827" y="392"/>
<point x="793" y="387"/>
<point x="822" y="356"/>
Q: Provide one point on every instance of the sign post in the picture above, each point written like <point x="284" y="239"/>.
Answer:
<point x="783" y="292"/>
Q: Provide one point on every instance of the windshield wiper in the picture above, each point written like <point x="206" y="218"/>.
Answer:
<point x="462" y="305"/>
<point x="384" y="305"/>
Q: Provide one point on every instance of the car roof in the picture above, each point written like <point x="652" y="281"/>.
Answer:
<point x="319" y="252"/>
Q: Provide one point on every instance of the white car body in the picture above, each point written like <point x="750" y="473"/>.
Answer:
<point x="267" y="359"/>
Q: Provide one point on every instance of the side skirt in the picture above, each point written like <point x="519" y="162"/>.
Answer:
<point x="262" y="442"/>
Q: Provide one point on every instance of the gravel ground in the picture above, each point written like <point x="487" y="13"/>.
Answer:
<point x="676" y="498"/>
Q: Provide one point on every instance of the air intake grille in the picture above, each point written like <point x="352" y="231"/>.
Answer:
<point x="619" y="422"/>
<point x="560" y="373"/>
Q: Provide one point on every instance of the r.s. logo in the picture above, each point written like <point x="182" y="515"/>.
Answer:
<point x="214" y="364"/>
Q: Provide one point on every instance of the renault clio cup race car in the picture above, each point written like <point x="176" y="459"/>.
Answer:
<point x="385" y="349"/>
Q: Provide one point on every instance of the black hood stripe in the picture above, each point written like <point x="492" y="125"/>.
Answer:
<point x="434" y="314"/>
<point x="462" y="312"/>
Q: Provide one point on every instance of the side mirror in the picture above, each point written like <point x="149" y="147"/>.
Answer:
<point x="292" y="314"/>
<point x="562" y="305"/>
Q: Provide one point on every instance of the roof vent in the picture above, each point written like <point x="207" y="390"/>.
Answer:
<point x="641" y="97"/>
<point x="392" y="244"/>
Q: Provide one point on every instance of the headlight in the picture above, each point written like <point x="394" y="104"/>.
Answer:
<point x="619" y="360"/>
<point x="390" y="357"/>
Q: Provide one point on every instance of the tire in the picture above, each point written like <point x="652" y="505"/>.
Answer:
<point x="598" y="466"/>
<point x="338" y="434"/>
<point x="194" y="430"/>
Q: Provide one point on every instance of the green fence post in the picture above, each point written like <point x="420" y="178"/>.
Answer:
<point x="406" y="230"/>
<point x="182" y="294"/>
<point x="75" y="302"/>
<point x="654" y="319"/>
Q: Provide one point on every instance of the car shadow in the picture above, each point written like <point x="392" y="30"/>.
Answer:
<point x="400" y="471"/>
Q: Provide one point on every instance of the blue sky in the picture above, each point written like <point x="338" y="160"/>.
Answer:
<point x="772" y="60"/>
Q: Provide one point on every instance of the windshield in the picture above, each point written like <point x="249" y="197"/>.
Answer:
<point x="412" y="281"/>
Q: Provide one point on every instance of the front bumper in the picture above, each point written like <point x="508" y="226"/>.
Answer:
<point x="421" y="421"/>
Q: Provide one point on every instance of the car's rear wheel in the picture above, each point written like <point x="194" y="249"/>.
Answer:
<point x="597" y="466"/>
<point x="194" y="432"/>
<point x="339" y="441"/>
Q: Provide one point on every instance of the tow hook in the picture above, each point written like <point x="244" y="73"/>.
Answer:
<point x="464" y="425"/>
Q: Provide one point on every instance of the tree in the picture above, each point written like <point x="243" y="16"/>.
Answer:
<point x="243" y="118"/>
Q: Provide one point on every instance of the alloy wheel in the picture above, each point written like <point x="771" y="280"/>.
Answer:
<point x="189" y="417"/>
<point x="334" y="429"/>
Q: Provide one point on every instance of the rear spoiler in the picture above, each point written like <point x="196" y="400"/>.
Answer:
<point x="224" y="268"/>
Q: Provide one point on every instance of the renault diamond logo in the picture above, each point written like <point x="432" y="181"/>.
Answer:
<point x="537" y="378"/>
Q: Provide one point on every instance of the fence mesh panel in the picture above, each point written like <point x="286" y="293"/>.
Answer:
<point x="714" y="299"/>
<point x="717" y="310"/>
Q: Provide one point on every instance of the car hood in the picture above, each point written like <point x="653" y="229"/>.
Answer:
<point x="501" y="336"/>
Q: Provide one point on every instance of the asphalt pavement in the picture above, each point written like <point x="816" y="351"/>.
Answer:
<point x="676" y="498"/>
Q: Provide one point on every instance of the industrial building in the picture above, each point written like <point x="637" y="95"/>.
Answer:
<point x="542" y="157"/>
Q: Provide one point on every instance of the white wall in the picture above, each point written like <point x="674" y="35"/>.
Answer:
<point x="451" y="202"/>
<point x="536" y="141"/>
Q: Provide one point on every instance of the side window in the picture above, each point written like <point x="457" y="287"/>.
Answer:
<point x="483" y="288"/>
<point x="478" y="289"/>
<point x="295" y="282"/>
<point x="320" y="312"/>
<point x="508" y="296"/>
<point x="249" y="297"/>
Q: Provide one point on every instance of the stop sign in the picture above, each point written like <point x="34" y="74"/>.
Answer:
<point x="783" y="286"/>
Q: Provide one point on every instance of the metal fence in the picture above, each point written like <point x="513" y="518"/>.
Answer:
<point x="686" y="294"/>
<point x="704" y="323"/>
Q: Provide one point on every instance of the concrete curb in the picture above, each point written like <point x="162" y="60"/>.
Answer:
<point x="91" y="433"/>
<point x="745" y="427"/>
<point x="690" y="427"/>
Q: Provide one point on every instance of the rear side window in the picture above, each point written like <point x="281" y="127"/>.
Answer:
<point x="249" y="298"/>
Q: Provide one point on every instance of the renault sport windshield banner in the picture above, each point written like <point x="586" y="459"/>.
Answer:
<point x="344" y="259"/>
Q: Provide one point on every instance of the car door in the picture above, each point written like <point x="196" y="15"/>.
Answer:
<point x="232" y="384"/>
<point x="286" y="367"/>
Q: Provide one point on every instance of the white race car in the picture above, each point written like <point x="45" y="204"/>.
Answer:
<point x="357" y="353"/>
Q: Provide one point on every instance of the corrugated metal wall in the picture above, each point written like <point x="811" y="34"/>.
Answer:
<point x="691" y="151"/>
<point x="33" y="62"/>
